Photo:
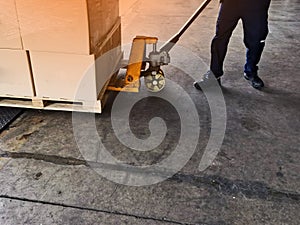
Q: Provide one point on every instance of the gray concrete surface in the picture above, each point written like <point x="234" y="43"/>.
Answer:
<point x="254" y="180"/>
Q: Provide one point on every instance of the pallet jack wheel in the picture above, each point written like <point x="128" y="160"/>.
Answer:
<point x="155" y="81"/>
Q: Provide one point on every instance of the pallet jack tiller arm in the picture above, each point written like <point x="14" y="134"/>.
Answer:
<point x="153" y="76"/>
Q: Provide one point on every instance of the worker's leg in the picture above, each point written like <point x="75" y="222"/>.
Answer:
<point x="227" y="20"/>
<point x="255" y="25"/>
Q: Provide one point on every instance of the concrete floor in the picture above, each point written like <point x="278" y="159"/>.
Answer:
<point x="254" y="179"/>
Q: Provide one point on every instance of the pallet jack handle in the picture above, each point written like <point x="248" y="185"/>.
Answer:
<point x="170" y="44"/>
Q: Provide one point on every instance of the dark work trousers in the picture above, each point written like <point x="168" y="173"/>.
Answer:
<point x="255" y="26"/>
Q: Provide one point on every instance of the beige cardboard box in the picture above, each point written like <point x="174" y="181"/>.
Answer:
<point x="66" y="26"/>
<point x="57" y="76"/>
<point x="70" y="77"/>
<point x="15" y="76"/>
<point x="10" y="37"/>
<point x="73" y="77"/>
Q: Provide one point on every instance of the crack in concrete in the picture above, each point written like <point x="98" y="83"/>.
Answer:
<point x="236" y="188"/>
<point x="63" y="161"/>
<point x="163" y="220"/>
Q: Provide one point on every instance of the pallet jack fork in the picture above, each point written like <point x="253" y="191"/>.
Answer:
<point x="140" y="65"/>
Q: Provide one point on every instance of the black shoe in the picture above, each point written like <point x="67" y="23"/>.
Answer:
<point x="256" y="82"/>
<point x="207" y="80"/>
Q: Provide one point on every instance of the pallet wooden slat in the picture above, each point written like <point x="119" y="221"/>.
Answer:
<point x="95" y="107"/>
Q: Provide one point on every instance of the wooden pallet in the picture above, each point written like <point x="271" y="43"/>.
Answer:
<point x="48" y="104"/>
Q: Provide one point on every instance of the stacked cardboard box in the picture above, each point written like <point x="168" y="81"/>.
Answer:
<point x="15" y="77"/>
<point x="64" y="40"/>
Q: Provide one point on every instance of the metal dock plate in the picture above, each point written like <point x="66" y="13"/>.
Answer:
<point x="7" y="115"/>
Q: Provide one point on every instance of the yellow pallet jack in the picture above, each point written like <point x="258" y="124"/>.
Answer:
<point x="140" y="65"/>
